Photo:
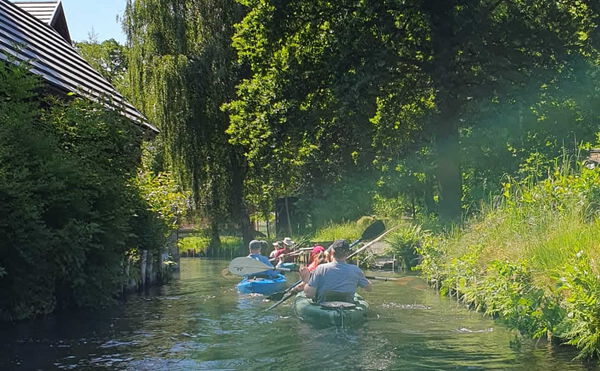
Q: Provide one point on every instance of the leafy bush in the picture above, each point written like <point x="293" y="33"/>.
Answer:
<point x="199" y="243"/>
<point x="580" y="283"/>
<point x="196" y="243"/>
<point x="405" y="243"/>
<point x="71" y="218"/>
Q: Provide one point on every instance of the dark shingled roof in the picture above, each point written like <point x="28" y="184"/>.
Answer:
<point x="49" y="12"/>
<point x="25" y="38"/>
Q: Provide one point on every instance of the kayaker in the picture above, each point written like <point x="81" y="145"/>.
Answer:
<point x="283" y="249"/>
<point x="254" y="246"/>
<point x="276" y="246"/>
<point x="317" y="257"/>
<point x="288" y="243"/>
<point x="337" y="280"/>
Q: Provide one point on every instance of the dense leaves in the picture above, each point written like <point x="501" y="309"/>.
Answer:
<point x="70" y="216"/>
<point x="443" y="97"/>
<point x="181" y="69"/>
<point x="108" y="58"/>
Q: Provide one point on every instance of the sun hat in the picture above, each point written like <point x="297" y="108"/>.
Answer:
<point x="317" y="249"/>
<point x="288" y="241"/>
<point x="277" y="243"/>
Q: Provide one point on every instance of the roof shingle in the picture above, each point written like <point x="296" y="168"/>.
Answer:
<point x="27" y="39"/>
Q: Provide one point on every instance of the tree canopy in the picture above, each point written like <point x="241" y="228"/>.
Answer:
<point x="341" y="86"/>
<point x="348" y="104"/>
<point x="181" y="69"/>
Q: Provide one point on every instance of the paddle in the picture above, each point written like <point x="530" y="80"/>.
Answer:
<point x="380" y="278"/>
<point x="373" y="230"/>
<point x="244" y="266"/>
<point x="370" y="243"/>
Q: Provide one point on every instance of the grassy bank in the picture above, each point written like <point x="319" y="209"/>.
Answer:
<point x="198" y="245"/>
<point x="531" y="261"/>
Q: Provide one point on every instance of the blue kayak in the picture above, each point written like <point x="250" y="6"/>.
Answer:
<point x="259" y="285"/>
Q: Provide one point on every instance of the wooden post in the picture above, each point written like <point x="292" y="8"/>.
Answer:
<point x="143" y="268"/>
<point x="150" y="269"/>
<point x="287" y="212"/>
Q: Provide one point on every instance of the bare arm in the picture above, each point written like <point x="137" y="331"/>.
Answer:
<point x="310" y="291"/>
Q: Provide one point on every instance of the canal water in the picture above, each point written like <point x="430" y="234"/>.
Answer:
<point x="199" y="322"/>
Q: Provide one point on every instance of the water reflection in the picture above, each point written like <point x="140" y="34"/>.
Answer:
<point x="200" y="322"/>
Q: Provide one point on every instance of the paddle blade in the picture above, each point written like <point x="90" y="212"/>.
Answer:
<point x="244" y="266"/>
<point x="374" y="230"/>
<point x="276" y="296"/>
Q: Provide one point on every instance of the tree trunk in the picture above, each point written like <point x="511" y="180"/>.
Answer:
<point x="266" y="216"/>
<point x="428" y="196"/>
<point x="239" y="210"/>
<point x="445" y="77"/>
<point x="214" y="215"/>
<point x="215" y="240"/>
<point x="448" y="169"/>
<point x="287" y="214"/>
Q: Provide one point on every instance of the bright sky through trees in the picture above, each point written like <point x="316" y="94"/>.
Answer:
<point x="101" y="16"/>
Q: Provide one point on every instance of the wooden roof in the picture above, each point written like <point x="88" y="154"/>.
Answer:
<point x="49" y="12"/>
<point x="27" y="39"/>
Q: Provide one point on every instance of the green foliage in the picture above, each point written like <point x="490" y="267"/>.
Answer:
<point x="164" y="197"/>
<point x="349" y="231"/>
<point x="515" y="261"/>
<point x="405" y="243"/>
<point x="415" y="89"/>
<point x="197" y="243"/>
<point x="340" y="202"/>
<point x="181" y="70"/>
<point x="70" y="215"/>
<point x="108" y="58"/>
<point x="580" y="282"/>
<point x="200" y="244"/>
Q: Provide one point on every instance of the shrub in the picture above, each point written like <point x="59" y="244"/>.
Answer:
<point x="580" y="283"/>
<point x="405" y="243"/>
<point x="71" y="218"/>
<point x="197" y="243"/>
<point x="509" y="261"/>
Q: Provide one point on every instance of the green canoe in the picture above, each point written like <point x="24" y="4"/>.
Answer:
<point x="331" y="313"/>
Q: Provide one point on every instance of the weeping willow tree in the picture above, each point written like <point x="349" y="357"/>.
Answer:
<point x="181" y="70"/>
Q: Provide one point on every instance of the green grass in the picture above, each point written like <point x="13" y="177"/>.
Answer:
<point x="349" y="231"/>
<point x="198" y="243"/>
<point x="532" y="261"/>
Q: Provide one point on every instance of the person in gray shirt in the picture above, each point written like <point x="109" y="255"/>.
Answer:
<point x="335" y="281"/>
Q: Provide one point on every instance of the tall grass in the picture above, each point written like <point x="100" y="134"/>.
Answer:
<point x="231" y="246"/>
<point x="532" y="259"/>
<point x="349" y="231"/>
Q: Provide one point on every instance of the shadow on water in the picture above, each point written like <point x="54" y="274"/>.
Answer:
<point x="200" y="322"/>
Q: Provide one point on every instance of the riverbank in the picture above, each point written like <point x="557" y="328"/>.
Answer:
<point x="532" y="261"/>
